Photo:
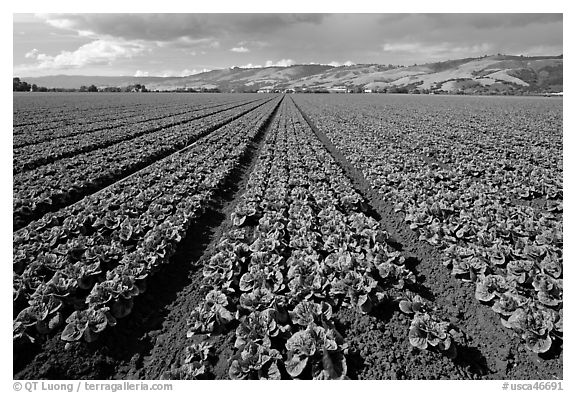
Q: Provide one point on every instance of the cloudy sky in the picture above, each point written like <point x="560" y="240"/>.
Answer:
<point x="184" y="44"/>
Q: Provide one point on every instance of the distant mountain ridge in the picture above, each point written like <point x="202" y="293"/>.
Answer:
<point x="498" y="74"/>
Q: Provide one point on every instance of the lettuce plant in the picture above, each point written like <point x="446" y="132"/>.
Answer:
<point x="393" y="275"/>
<point x="535" y="326"/>
<point x="549" y="290"/>
<point x="255" y="361"/>
<point x="258" y="299"/>
<point x="412" y="305"/>
<point x="559" y="321"/>
<point x="189" y="371"/>
<point x="119" y="289"/>
<point x="259" y="327"/>
<point x="508" y="302"/>
<point x="427" y="331"/>
<point x="519" y="270"/>
<point x="195" y="363"/>
<point x="317" y="350"/>
<point x="357" y="290"/>
<point x="242" y="212"/>
<point x="43" y="313"/>
<point x="87" y="324"/>
<point x="305" y="276"/>
<point x="221" y="271"/>
<point x="552" y="265"/>
<point x="307" y="312"/>
<point x="211" y="315"/>
<point x="498" y="254"/>
<point x="469" y="269"/>
<point x="262" y="277"/>
<point x="487" y="287"/>
<point x="19" y="289"/>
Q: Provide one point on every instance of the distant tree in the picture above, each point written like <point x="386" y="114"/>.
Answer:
<point x="83" y="88"/>
<point x="34" y="87"/>
<point x="398" y="90"/>
<point x="19" y="85"/>
<point x="135" y="88"/>
<point x="92" y="89"/>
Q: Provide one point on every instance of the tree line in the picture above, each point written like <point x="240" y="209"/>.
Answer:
<point x="20" y="85"/>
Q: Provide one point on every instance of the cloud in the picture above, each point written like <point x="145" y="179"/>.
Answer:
<point x="402" y="47"/>
<point x="194" y="71"/>
<point x="240" y="49"/>
<point x="492" y="21"/>
<point x="338" y="64"/>
<point x="184" y="72"/>
<point x="250" y="65"/>
<point x="188" y="42"/>
<point x="95" y="52"/>
<point x="32" y="54"/>
<point x="279" y="63"/>
<point x="254" y="44"/>
<point x="542" y="50"/>
<point x="169" y="27"/>
<point x="139" y="73"/>
<point x="437" y="50"/>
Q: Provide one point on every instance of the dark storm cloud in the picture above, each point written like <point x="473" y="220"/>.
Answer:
<point x="168" y="27"/>
<point x="491" y="21"/>
<point x="462" y="25"/>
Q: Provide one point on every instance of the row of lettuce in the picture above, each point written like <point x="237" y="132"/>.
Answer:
<point x="62" y="182"/>
<point x="47" y="113"/>
<point x="67" y="123"/>
<point x="38" y="113"/>
<point x="82" y="266"/>
<point x="111" y="119"/>
<point x="35" y="155"/>
<point x="298" y="249"/>
<point x="482" y="181"/>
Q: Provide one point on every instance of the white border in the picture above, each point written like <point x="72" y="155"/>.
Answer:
<point x="230" y="6"/>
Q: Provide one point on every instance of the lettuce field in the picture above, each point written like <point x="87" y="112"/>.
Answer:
<point x="302" y="236"/>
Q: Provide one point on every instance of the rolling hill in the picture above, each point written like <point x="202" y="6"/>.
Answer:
<point x="495" y="74"/>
